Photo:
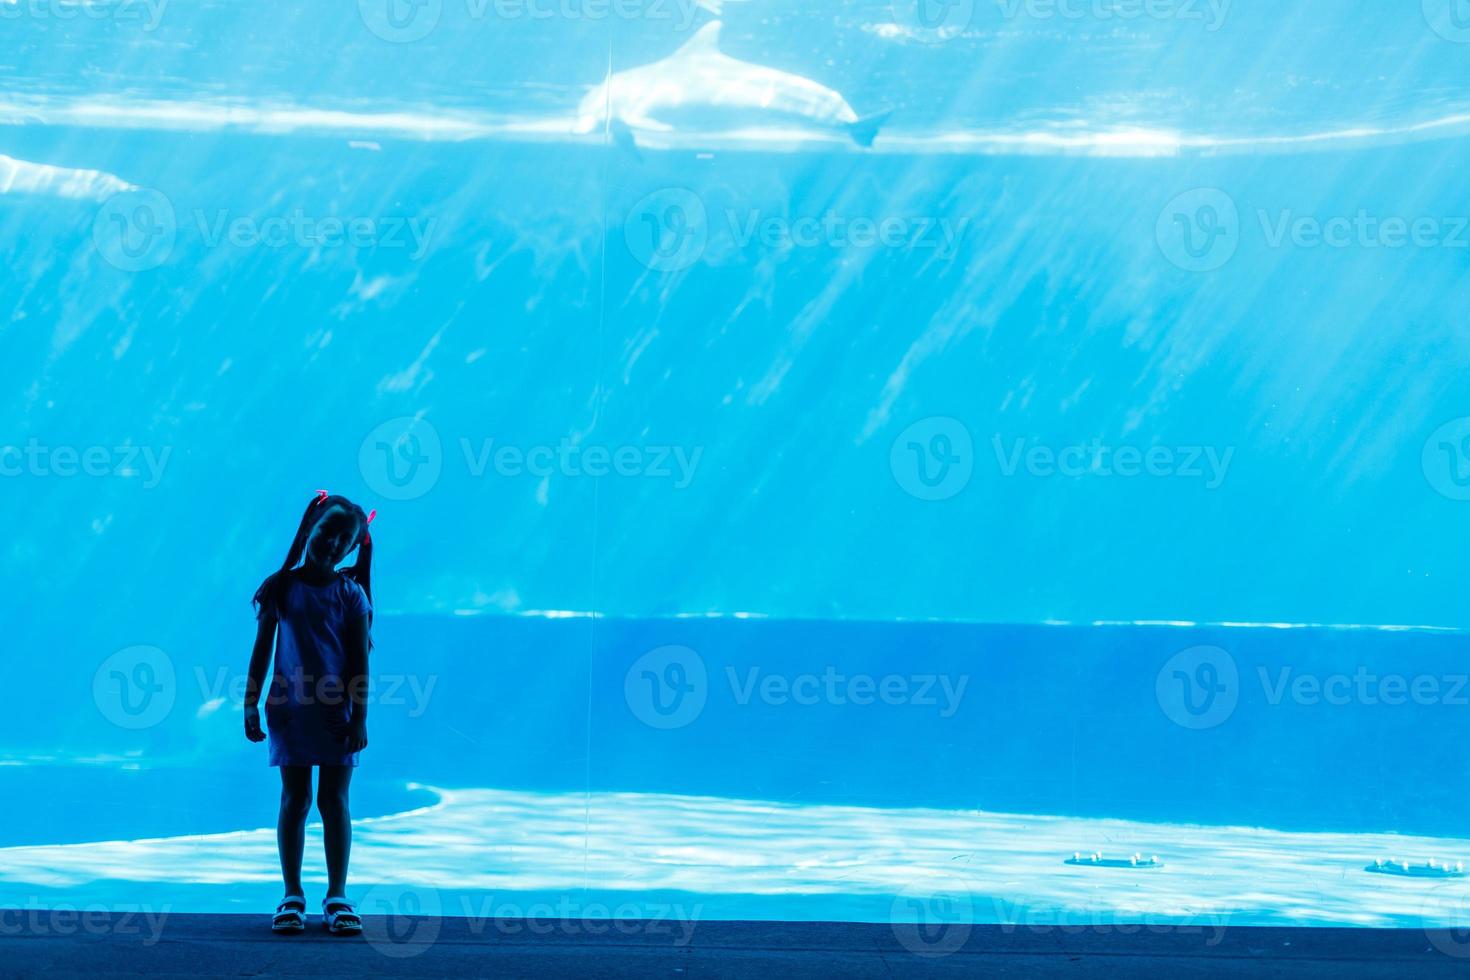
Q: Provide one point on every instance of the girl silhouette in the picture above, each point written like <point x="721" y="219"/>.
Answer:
<point x="316" y="711"/>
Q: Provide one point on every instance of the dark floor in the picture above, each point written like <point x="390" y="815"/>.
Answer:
<point x="102" y="945"/>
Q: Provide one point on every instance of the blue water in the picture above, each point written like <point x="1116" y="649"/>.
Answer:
<point x="904" y="460"/>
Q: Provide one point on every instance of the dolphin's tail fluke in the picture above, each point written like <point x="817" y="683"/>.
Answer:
<point x="622" y="137"/>
<point x="865" y="129"/>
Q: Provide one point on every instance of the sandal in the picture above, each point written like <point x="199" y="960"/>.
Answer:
<point x="339" y="917"/>
<point x="290" y="915"/>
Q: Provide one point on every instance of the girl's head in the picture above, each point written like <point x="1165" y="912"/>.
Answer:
<point x="335" y="530"/>
<point x="331" y="527"/>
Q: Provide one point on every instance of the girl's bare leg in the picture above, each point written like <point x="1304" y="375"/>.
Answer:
<point x="291" y="823"/>
<point x="331" y="802"/>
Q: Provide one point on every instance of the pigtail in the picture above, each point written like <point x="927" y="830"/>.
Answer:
<point x="361" y="571"/>
<point x="269" y="594"/>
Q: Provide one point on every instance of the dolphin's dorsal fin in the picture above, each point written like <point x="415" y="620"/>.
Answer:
<point x="705" y="41"/>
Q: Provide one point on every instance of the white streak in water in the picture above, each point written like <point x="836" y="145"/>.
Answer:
<point x="429" y="124"/>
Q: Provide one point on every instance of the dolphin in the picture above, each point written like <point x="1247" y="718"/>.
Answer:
<point x="698" y="82"/>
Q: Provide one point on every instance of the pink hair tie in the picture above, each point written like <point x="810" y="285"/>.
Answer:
<point x="371" y="514"/>
<point x="320" y="496"/>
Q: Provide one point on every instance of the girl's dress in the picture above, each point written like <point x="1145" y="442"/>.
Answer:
<point x="307" y="691"/>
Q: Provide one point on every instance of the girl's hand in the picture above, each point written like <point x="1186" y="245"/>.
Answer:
<point x="356" y="736"/>
<point x="352" y="732"/>
<point x="252" y="724"/>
